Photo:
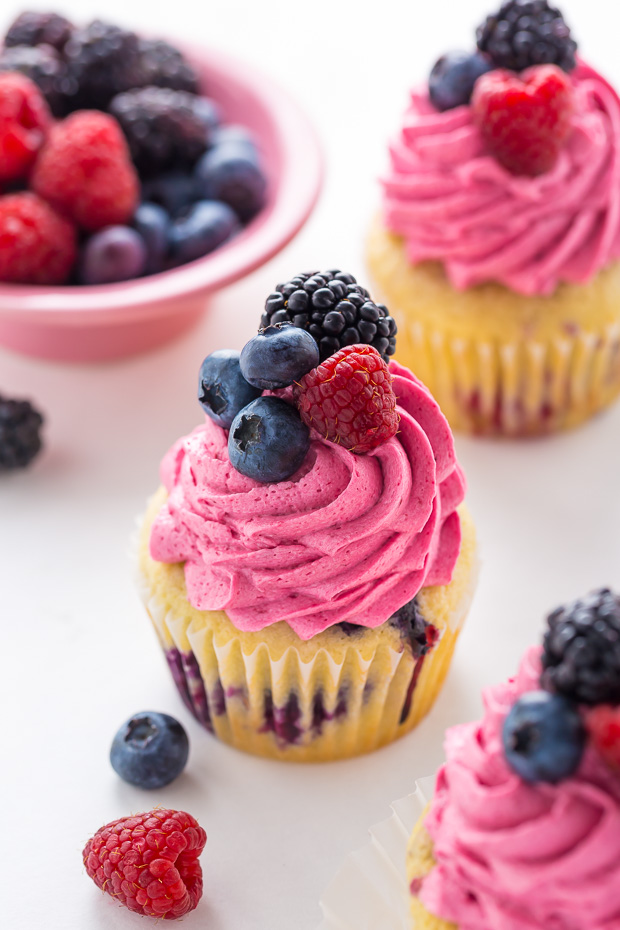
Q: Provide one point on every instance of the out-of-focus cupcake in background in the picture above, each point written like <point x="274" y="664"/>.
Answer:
<point x="498" y="239"/>
<point x="308" y="561"/>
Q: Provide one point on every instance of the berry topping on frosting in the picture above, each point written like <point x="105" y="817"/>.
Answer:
<point x="452" y="79"/>
<point x="524" y="119"/>
<point x="581" y="654"/>
<point x="544" y="737"/>
<point x="603" y="724"/>
<point x="149" y="862"/>
<point x="268" y="441"/>
<point x="349" y="399"/>
<point x="334" y="309"/>
<point x="222" y="389"/>
<point x="527" y="32"/>
<point x="278" y="355"/>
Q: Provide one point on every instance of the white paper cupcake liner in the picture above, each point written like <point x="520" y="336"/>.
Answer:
<point x="369" y="891"/>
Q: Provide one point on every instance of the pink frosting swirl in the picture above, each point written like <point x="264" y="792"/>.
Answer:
<point x="515" y="856"/>
<point x="347" y="538"/>
<point x="453" y="202"/>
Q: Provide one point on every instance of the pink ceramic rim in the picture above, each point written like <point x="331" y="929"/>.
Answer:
<point x="298" y="187"/>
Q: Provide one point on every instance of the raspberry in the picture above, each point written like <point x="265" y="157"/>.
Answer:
<point x="527" y="32"/>
<point x="33" y="28"/>
<point x="349" y="400"/>
<point x="149" y="862"/>
<point x="524" y="119"/>
<point x="20" y="439"/>
<point x="24" y="121"/>
<point x="603" y="725"/>
<point x="84" y="170"/>
<point x="37" y="246"/>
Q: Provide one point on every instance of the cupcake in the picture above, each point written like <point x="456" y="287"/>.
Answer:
<point x="498" y="240"/>
<point x="308" y="562"/>
<point x="523" y="832"/>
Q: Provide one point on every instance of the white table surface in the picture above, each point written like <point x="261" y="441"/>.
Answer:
<point x="79" y="656"/>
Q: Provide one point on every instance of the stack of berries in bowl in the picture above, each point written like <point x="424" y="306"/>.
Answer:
<point x="112" y="163"/>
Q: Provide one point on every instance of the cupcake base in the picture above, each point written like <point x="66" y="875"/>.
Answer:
<point x="420" y="862"/>
<point x="497" y="362"/>
<point x="347" y="691"/>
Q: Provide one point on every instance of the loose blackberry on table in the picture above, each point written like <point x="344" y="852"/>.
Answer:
<point x="334" y="309"/>
<point x="524" y="33"/>
<point x="20" y="433"/>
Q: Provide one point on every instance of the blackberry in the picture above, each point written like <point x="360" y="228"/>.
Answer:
<point x="163" y="65"/>
<point x="102" y="61"/>
<point x="334" y="309"/>
<point x="164" y="128"/>
<point x="43" y="65"/>
<point x="581" y="649"/>
<point x="20" y="439"/>
<point x="33" y="28"/>
<point x="527" y="32"/>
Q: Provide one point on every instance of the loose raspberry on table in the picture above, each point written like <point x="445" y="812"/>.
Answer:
<point x="524" y="119"/>
<point x="603" y="725"/>
<point x="37" y="246"/>
<point x="24" y="121"/>
<point x="85" y="171"/>
<point x="149" y="862"/>
<point x="349" y="399"/>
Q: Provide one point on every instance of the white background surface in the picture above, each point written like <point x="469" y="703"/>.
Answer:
<point x="79" y="656"/>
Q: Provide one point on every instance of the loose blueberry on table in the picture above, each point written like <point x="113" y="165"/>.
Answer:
<point x="517" y="84"/>
<point x="135" y="145"/>
<point x="150" y="750"/>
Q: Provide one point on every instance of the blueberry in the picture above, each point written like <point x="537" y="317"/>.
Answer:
<point x="175" y="191"/>
<point x="277" y="356"/>
<point x="207" y="225"/>
<point x="117" y="253"/>
<point x="222" y="389"/>
<point x="453" y="77"/>
<point x="150" y="750"/>
<point x="235" y="137"/>
<point x="153" y="223"/>
<point x="544" y="737"/>
<point x="267" y="440"/>
<point x="228" y="173"/>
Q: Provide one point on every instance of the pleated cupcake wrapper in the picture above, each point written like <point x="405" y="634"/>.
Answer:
<point x="514" y="388"/>
<point x="369" y="891"/>
<point x="282" y="707"/>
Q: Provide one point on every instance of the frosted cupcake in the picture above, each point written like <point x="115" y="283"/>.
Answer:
<point x="523" y="832"/>
<point x="307" y="562"/>
<point x="498" y="242"/>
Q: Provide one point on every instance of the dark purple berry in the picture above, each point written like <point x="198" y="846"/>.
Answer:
<point x="34" y="28"/>
<point x="237" y="138"/>
<point x="452" y="79"/>
<point x="174" y="191"/>
<point x="165" y="128"/>
<point x="335" y="310"/>
<point x="101" y="62"/>
<point x="222" y="389"/>
<point x="278" y="356"/>
<point x="544" y="737"/>
<point x="44" y="66"/>
<point x="524" y="33"/>
<point x="228" y="173"/>
<point x="150" y="750"/>
<point x="207" y="225"/>
<point x="152" y="222"/>
<point x="581" y="650"/>
<point x="268" y="441"/>
<point x="20" y="433"/>
<point x="162" y="65"/>
<point x="117" y="253"/>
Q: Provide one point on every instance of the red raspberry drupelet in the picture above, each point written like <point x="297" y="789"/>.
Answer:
<point x="37" y="246"/>
<point x="149" y="862"/>
<point x="349" y="399"/>
<point x="24" y="121"/>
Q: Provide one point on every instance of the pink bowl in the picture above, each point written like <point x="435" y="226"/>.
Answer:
<point x="86" y="323"/>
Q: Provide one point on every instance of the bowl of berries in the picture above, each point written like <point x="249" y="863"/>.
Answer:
<point x="136" y="179"/>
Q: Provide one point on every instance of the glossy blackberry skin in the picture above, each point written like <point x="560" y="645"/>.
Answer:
<point x="165" y="129"/>
<point x="162" y="65"/>
<point x="335" y="310"/>
<point x="33" y="28"/>
<point x="44" y="66"/>
<point x="20" y="433"/>
<point x="102" y="61"/>
<point x="524" y="33"/>
<point x="581" y="650"/>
